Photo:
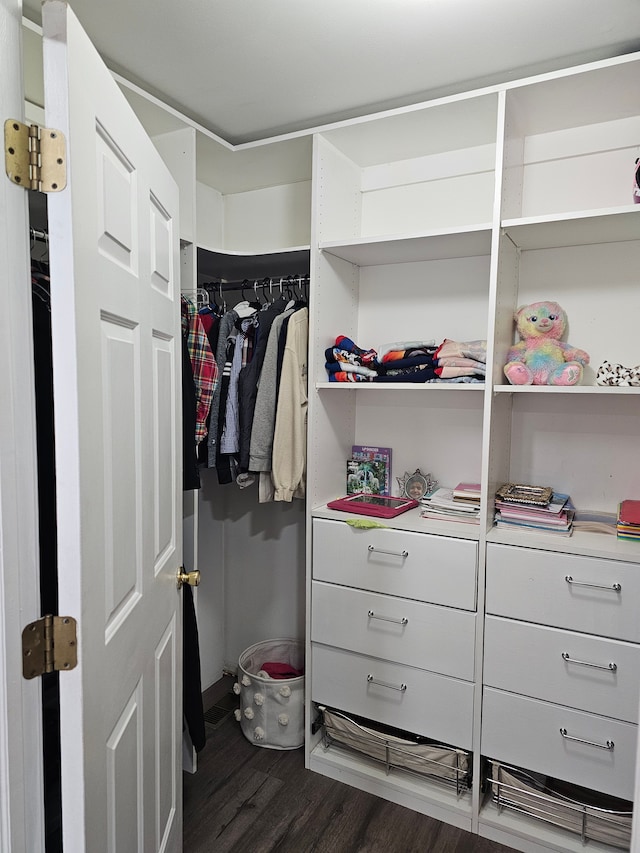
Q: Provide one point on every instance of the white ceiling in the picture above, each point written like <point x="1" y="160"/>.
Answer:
<point x="249" y="69"/>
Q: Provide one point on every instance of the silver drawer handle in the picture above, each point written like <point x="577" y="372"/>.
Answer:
<point x="608" y="745"/>
<point x="616" y="587"/>
<point x="393" y="553"/>
<point x="402" y="621"/>
<point x="372" y="680"/>
<point x="608" y="666"/>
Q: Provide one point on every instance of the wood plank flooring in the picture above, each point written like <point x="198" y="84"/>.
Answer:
<point x="247" y="799"/>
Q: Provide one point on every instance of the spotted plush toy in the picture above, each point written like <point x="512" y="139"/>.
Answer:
<point x="541" y="358"/>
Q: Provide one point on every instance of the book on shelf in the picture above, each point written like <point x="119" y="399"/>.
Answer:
<point x="442" y="515"/>
<point x="507" y="524"/>
<point x="628" y="520"/>
<point x="369" y="477"/>
<point x="594" y="521"/>
<point x="555" y="505"/>
<point x="443" y="497"/>
<point x="551" y="519"/>
<point x="629" y="512"/>
<point x="442" y="504"/>
<point x="467" y="492"/>
<point x="372" y="453"/>
<point x="554" y="517"/>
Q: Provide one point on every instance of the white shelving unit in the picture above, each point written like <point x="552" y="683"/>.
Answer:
<point x="436" y="222"/>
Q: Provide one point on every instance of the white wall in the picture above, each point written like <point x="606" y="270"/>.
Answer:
<point x="251" y="559"/>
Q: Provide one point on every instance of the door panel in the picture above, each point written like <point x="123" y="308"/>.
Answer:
<point x="116" y="343"/>
<point x="21" y="772"/>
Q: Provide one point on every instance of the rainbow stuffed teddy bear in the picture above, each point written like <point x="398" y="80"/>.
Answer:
<point x="541" y="358"/>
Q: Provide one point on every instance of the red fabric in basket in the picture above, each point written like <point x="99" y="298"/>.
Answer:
<point x="281" y="670"/>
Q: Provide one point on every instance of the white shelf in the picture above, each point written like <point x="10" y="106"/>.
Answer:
<point x="465" y="242"/>
<point x="401" y="386"/>
<point x="530" y="835"/>
<point x="588" y="544"/>
<point x="423" y="796"/>
<point x="602" y="390"/>
<point x="410" y="521"/>
<point x="583" y="228"/>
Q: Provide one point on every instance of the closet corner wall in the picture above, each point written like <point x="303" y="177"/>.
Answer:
<point x="244" y="214"/>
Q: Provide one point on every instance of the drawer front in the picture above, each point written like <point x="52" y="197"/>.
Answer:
<point x="431" y="705"/>
<point x="527" y="733"/>
<point x="426" y="636"/>
<point x="531" y="585"/>
<point x="528" y="659"/>
<point x="437" y="569"/>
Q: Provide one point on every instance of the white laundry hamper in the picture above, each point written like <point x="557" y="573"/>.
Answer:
<point x="271" y="712"/>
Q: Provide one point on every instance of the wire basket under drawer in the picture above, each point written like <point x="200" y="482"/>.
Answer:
<point x="539" y="798"/>
<point x="420" y="757"/>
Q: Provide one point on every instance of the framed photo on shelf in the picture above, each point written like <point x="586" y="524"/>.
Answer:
<point x="415" y="486"/>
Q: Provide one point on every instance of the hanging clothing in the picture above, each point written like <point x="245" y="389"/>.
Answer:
<point x="205" y="370"/>
<point x="192" y="709"/>
<point x="190" y="473"/>
<point x="289" y="440"/>
<point x="211" y="324"/>
<point x="230" y="439"/>
<point x="250" y="376"/>
<point x="226" y="326"/>
<point x="264" y="416"/>
<point x="225" y="462"/>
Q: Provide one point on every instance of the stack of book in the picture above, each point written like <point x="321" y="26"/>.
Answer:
<point x="553" y="516"/>
<point x="468" y="493"/>
<point x="443" y="505"/>
<point x="628" y="523"/>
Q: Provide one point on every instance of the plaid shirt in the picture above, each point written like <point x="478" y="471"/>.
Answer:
<point x="203" y="364"/>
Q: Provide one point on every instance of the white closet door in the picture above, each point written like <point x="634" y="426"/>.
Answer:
<point x="116" y="346"/>
<point x="21" y="808"/>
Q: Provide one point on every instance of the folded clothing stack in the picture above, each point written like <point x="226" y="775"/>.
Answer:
<point x="407" y="361"/>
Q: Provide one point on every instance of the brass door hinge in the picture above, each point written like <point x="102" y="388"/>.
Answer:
<point x="49" y="645"/>
<point x="35" y="157"/>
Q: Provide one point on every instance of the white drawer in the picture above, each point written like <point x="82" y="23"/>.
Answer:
<point x="431" y="705"/>
<point x="437" y="569"/>
<point x="528" y="659"/>
<point x="527" y="732"/>
<point x="439" y="639"/>
<point x="523" y="583"/>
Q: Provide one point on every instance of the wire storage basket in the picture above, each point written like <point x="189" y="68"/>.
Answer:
<point x="601" y="818"/>
<point x="397" y="751"/>
<point x="271" y="710"/>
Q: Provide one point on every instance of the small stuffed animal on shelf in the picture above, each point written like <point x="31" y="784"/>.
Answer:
<point x="541" y="358"/>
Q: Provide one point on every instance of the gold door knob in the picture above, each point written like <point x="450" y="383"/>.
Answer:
<point x="191" y="578"/>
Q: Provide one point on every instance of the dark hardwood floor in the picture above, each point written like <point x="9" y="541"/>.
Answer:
<point x="248" y="799"/>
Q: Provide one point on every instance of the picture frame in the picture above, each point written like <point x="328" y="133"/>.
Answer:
<point x="523" y="493"/>
<point x="417" y="485"/>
